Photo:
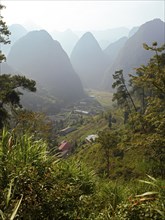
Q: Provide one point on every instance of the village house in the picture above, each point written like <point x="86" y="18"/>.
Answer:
<point x="91" y="138"/>
<point x="67" y="130"/>
<point x="64" y="148"/>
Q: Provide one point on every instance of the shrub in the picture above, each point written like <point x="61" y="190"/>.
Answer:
<point x="49" y="188"/>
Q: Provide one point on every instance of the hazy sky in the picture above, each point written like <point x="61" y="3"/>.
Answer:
<point x="82" y="15"/>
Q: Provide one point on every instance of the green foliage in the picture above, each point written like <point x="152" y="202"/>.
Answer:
<point x="44" y="187"/>
<point x="54" y="192"/>
<point x="122" y="95"/>
<point x="36" y="124"/>
<point x="9" y="85"/>
<point x="10" y="93"/>
<point x="151" y="77"/>
<point x="50" y="188"/>
<point x="108" y="140"/>
<point x="148" y="205"/>
<point x="152" y="81"/>
<point x="10" y="209"/>
<point x="36" y="185"/>
<point x="147" y="121"/>
<point x="137" y="212"/>
<point x="4" y="34"/>
<point x="17" y="152"/>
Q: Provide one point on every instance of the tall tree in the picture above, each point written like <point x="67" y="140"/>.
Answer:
<point x="4" y="34"/>
<point x="152" y="75"/>
<point x="10" y="84"/>
<point x="122" y="95"/>
<point x="152" y="80"/>
<point x="10" y="94"/>
<point x="108" y="140"/>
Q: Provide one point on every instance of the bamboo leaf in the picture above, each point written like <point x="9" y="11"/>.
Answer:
<point x="9" y="194"/>
<point x="148" y="182"/>
<point x="2" y="215"/>
<point x="147" y="194"/>
<point x="152" y="178"/>
<point x="16" y="208"/>
<point x="161" y="213"/>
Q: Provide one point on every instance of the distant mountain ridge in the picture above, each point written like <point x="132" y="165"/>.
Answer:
<point x="17" y="31"/>
<point x="132" y="55"/>
<point x="5" y="68"/>
<point x="67" y="39"/>
<point x="41" y="58"/>
<point x="107" y="36"/>
<point x="132" y="31"/>
<point x="113" y="49"/>
<point x="110" y="35"/>
<point x="89" y="61"/>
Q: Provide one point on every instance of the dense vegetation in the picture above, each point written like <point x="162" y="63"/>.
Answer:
<point x="121" y="176"/>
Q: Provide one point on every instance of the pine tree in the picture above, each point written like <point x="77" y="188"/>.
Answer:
<point x="152" y="81"/>
<point x="4" y="34"/>
<point x="9" y="84"/>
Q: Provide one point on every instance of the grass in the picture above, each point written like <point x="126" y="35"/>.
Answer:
<point x="90" y="126"/>
<point x="68" y="189"/>
<point x="104" y="98"/>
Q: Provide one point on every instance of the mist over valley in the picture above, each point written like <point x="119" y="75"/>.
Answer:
<point x="65" y="64"/>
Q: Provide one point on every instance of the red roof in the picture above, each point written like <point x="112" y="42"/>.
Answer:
<point x="64" y="146"/>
